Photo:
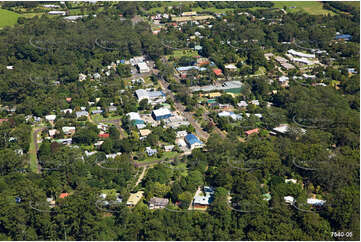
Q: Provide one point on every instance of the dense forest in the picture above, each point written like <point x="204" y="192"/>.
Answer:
<point x="326" y="160"/>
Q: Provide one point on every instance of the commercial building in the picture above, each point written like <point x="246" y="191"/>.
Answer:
<point x="193" y="141"/>
<point x="161" y="113"/>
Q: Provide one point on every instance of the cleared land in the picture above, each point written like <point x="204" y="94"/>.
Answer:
<point x="310" y="7"/>
<point x="8" y="18"/>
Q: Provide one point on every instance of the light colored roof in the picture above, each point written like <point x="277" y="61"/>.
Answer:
<point x="50" y="117"/>
<point x="143" y="66"/>
<point x="181" y="133"/>
<point x="141" y="94"/>
<point x="144" y="132"/>
<point x="230" y="66"/>
<point x="157" y="201"/>
<point x="314" y="201"/>
<point x="134" y="116"/>
<point x="289" y="199"/>
<point x="161" y="112"/>
<point x="293" y="52"/>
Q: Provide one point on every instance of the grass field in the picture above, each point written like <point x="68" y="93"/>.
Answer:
<point x="8" y="18"/>
<point x="165" y="156"/>
<point x="179" y="53"/>
<point x="310" y="7"/>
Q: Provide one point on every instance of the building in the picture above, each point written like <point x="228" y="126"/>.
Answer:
<point x="284" y="128"/>
<point x="289" y="199"/>
<point x="81" y="114"/>
<point x="181" y="134"/>
<point x="63" y="195"/>
<point x="231" y="67"/>
<point x="150" y="151"/>
<point x="315" y="202"/>
<point x="52" y="132"/>
<point x="252" y="131"/>
<point x="134" y="198"/>
<point x="242" y="104"/>
<point x="64" y="141"/>
<point x="168" y="148"/>
<point x="68" y="130"/>
<point x="300" y="54"/>
<point x="203" y="201"/>
<point x="229" y="86"/>
<point x="345" y="37"/>
<point x="154" y="97"/>
<point x="161" y="113"/>
<point x="68" y="110"/>
<point x="283" y="80"/>
<point x="63" y="13"/>
<point x="157" y="203"/>
<point x="104" y="136"/>
<point x="193" y="141"/>
<point x="50" y="117"/>
<point x="144" y="132"/>
<point x="112" y="108"/>
<point x="217" y="71"/>
<point x="143" y="67"/>
<point x="187" y="14"/>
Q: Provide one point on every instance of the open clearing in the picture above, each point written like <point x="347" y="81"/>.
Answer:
<point x="8" y="18"/>
<point x="310" y="7"/>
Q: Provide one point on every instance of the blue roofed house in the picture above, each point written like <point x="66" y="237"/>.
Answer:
<point x="343" y="37"/>
<point x="193" y="141"/>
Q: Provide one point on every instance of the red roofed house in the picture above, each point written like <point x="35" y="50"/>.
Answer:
<point x="105" y="135"/>
<point x="217" y="71"/>
<point x="63" y="195"/>
<point x="252" y="131"/>
<point x="3" y="120"/>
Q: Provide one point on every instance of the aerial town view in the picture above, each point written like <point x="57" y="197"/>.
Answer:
<point x="180" y="120"/>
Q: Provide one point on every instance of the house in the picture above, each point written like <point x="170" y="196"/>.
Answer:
<point x="267" y="197"/>
<point x="242" y="104"/>
<point x="193" y="141"/>
<point x="97" y="111"/>
<point x="104" y="136"/>
<point x="284" y="128"/>
<point x="52" y="132"/>
<point x="217" y="71"/>
<point x="82" y="77"/>
<point x="113" y="155"/>
<point x="2" y="120"/>
<point x="188" y="14"/>
<point x="157" y="203"/>
<point x="57" y="13"/>
<point x="99" y="143"/>
<point x="231" y="67"/>
<point x="351" y="70"/>
<point x="252" y="131"/>
<point x="144" y="132"/>
<point x="154" y="97"/>
<point x="198" y="47"/>
<point x="50" y="117"/>
<point x="133" y="116"/>
<point x="283" y="80"/>
<point x="96" y="76"/>
<point x="255" y="102"/>
<point x="181" y="134"/>
<point x="203" y="201"/>
<point x="68" y="99"/>
<point x="294" y="181"/>
<point x="289" y="200"/>
<point x="143" y="67"/>
<point x="168" y="148"/>
<point x="315" y="202"/>
<point x="68" y="110"/>
<point x="87" y="153"/>
<point x="81" y="114"/>
<point x="345" y="37"/>
<point x="112" y="109"/>
<point x="10" y="67"/>
<point x="300" y="54"/>
<point x="309" y="76"/>
<point x="181" y="143"/>
<point x="64" y="141"/>
<point x="51" y="202"/>
<point x="68" y="130"/>
<point x="150" y="151"/>
<point x="134" y="198"/>
<point x="161" y="113"/>
<point x="63" y="195"/>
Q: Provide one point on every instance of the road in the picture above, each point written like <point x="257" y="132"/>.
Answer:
<point x="181" y="109"/>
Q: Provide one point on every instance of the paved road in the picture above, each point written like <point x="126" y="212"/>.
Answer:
<point x="180" y="108"/>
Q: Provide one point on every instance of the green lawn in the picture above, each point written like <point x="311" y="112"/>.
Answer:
<point x="310" y="7"/>
<point x="179" y="53"/>
<point x="8" y="18"/>
<point x="165" y="155"/>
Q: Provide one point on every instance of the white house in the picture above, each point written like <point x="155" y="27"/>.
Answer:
<point x="50" y="117"/>
<point x="143" y="67"/>
<point x="289" y="199"/>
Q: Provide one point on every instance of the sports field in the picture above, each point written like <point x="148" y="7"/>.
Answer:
<point x="310" y="7"/>
<point x="8" y="18"/>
